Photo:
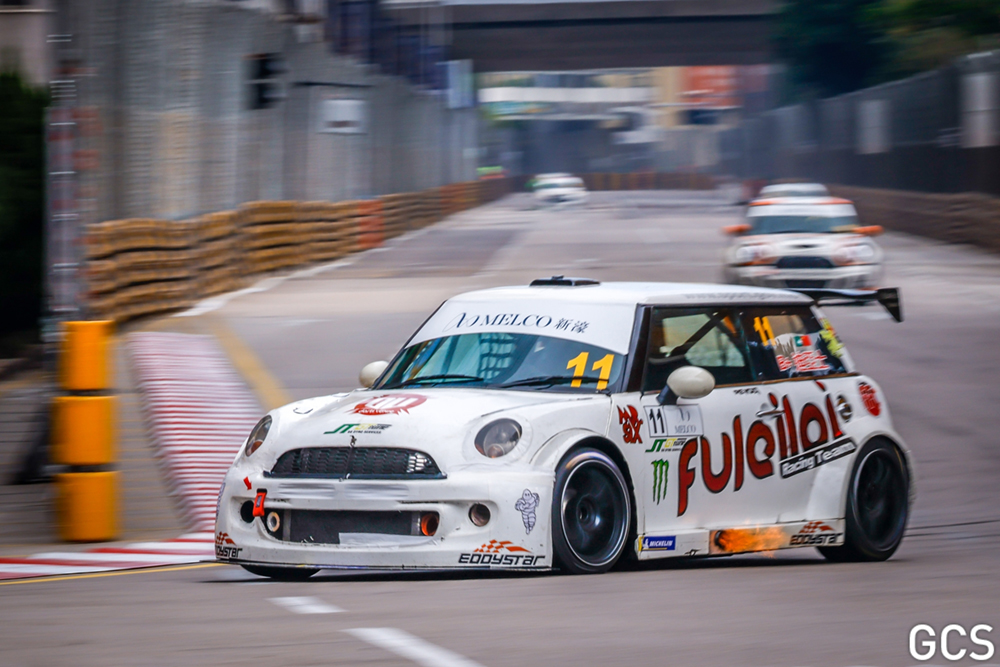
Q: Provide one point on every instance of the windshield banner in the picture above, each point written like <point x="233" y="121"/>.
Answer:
<point x="600" y="325"/>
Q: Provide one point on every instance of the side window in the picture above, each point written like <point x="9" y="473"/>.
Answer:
<point x="711" y="338"/>
<point x="791" y="343"/>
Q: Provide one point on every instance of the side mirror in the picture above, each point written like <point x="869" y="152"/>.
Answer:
<point x="371" y="372"/>
<point x="871" y="230"/>
<point x="736" y="230"/>
<point x="687" y="382"/>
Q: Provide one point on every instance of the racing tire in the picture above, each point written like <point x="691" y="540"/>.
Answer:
<point x="281" y="573"/>
<point x="878" y="505"/>
<point x="591" y="512"/>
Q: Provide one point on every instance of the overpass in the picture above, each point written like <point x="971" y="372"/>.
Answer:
<point x="513" y="35"/>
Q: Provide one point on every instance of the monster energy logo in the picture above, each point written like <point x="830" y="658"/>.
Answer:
<point x="660" y="469"/>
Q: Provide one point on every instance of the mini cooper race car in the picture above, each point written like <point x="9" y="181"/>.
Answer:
<point x="569" y="424"/>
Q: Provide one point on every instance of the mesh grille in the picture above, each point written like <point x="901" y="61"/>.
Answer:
<point x="356" y="462"/>
<point x="804" y="263"/>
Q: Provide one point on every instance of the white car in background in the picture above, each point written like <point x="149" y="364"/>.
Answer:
<point x="559" y="190"/>
<point x="569" y="424"/>
<point x="803" y="243"/>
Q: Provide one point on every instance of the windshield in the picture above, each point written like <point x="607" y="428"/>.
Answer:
<point x="506" y="361"/>
<point x="801" y="224"/>
<point x="551" y="185"/>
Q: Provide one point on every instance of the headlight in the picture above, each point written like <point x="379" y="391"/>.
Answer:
<point x="258" y="435"/>
<point x="498" y="437"/>
<point x="754" y="254"/>
<point x="861" y="253"/>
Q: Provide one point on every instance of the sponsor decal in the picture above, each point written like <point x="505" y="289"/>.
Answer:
<point x="497" y="552"/>
<point x="799" y="442"/>
<point x="660" y="470"/>
<point x="246" y="483"/>
<point x="844" y="409"/>
<point x="746" y="390"/>
<point x="674" y="420"/>
<point x="815" y="534"/>
<point x="650" y="543"/>
<point x="661" y="444"/>
<point x="301" y="410"/>
<point x="526" y="506"/>
<point x="364" y="429"/>
<point x="829" y="337"/>
<point x="225" y="547"/>
<point x="794" y="353"/>
<point x="389" y="404"/>
<point x="630" y="423"/>
<point x="528" y="321"/>
<point x="870" y="399"/>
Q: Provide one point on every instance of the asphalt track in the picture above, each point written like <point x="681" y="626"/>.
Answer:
<point x="311" y="333"/>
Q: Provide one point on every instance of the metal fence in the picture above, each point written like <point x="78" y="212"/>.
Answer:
<point x="935" y="132"/>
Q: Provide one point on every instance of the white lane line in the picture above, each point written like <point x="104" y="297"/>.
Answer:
<point x="306" y="605"/>
<point x="412" y="648"/>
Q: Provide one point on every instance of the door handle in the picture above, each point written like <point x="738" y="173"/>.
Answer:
<point x="776" y="412"/>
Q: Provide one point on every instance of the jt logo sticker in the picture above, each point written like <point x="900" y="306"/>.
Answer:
<point x="660" y="469"/>
<point x="630" y="422"/>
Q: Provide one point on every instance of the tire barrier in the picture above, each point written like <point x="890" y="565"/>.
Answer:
<point x="140" y="267"/>
<point x="86" y="498"/>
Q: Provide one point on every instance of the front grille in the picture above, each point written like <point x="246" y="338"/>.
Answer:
<point x="805" y="284"/>
<point x="325" y="527"/>
<point x="795" y="262"/>
<point x="356" y="463"/>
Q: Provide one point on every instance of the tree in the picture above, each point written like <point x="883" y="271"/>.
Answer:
<point x="831" y="46"/>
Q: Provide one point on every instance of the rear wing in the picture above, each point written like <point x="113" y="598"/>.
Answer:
<point x="888" y="297"/>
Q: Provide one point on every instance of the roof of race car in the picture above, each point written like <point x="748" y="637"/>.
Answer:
<point x="632" y="294"/>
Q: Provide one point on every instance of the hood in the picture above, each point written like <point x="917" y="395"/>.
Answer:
<point x="441" y="422"/>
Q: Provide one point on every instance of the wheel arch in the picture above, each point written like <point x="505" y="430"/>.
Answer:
<point x="904" y="452"/>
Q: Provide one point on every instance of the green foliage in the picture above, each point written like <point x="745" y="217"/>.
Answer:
<point x="22" y="203"/>
<point x="831" y="46"/>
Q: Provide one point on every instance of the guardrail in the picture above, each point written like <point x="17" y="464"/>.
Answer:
<point x="139" y="267"/>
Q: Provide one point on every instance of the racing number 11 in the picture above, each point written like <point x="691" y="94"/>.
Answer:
<point x="579" y="365"/>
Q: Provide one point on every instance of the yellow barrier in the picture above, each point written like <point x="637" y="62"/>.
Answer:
<point x="83" y="435"/>
<point x="83" y="360"/>
<point x="87" y="506"/>
<point x="82" y="430"/>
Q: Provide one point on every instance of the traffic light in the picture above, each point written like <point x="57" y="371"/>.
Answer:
<point x="263" y="70"/>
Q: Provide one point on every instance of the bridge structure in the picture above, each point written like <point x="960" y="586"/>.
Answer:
<point x="517" y="35"/>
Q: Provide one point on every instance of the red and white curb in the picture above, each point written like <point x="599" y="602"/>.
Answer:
<point x="190" y="548"/>
<point x="199" y="413"/>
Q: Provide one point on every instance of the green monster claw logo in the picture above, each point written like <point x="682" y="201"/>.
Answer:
<point x="660" y="469"/>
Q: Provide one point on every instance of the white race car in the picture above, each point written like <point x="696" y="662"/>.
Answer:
<point x="560" y="190"/>
<point x="568" y="424"/>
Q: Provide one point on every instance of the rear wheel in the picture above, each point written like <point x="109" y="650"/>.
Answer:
<point x="877" y="505"/>
<point x="591" y="512"/>
<point x="281" y="573"/>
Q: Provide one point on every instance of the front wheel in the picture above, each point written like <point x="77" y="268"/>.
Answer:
<point x="878" y="505"/>
<point x="281" y="573"/>
<point x="591" y="512"/>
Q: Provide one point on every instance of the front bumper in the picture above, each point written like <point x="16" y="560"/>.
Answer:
<point x="841" y="277"/>
<point x="506" y="542"/>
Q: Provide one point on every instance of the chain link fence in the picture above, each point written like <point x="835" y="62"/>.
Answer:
<point x="935" y="132"/>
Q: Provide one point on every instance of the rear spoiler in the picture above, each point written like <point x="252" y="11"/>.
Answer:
<point x="888" y="297"/>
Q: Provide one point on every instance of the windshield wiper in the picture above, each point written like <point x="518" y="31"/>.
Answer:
<point x="434" y="378"/>
<point x="548" y="380"/>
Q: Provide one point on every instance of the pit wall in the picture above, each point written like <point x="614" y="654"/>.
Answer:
<point x="138" y="266"/>
<point x="967" y="217"/>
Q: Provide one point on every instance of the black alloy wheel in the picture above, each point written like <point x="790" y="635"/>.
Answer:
<point x="591" y="512"/>
<point x="281" y="573"/>
<point x="878" y="505"/>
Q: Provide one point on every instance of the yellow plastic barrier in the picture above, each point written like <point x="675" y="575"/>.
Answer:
<point x="87" y="506"/>
<point x="84" y="362"/>
<point x="82" y="430"/>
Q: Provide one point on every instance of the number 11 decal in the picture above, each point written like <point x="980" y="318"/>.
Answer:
<point x="579" y="365"/>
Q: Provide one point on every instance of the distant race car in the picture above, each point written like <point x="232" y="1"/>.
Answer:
<point x="569" y="424"/>
<point x="559" y="190"/>
<point x="803" y="242"/>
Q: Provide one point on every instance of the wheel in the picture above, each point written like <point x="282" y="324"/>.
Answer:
<point x="591" y="512"/>
<point x="281" y="573"/>
<point x="878" y="505"/>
